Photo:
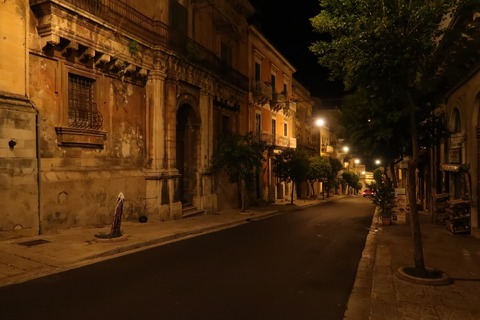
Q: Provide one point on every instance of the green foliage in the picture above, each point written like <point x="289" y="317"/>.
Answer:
<point x="389" y="56"/>
<point x="352" y="180"/>
<point x="399" y="52"/>
<point x="378" y="176"/>
<point x="375" y="126"/>
<point x="239" y="155"/>
<point x="320" y="168"/>
<point x="385" y="193"/>
<point x="133" y="47"/>
<point x="336" y="166"/>
<point x="384" y="43"/>
<point x="292" y="165"/>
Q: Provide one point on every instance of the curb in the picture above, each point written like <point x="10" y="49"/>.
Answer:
<point x="165" y="239"/>
<point x="359" y="303"/>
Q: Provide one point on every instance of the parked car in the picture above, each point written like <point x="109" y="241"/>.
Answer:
<point x="368" y="193"/>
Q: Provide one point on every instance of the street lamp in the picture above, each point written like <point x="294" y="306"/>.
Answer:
<point x="346" y="160"/>
<point x="319" y="122"/>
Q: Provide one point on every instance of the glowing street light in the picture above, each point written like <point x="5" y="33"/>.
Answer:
<point x="377" y="162"/>
<point x="356" y="161"/>
<point x="319" y="122"/>
<point x="345" y="149"/>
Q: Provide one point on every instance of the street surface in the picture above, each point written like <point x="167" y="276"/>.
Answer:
<point x="296" y="265"/>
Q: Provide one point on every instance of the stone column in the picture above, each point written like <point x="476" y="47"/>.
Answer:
<point x="156" y="121"/>
<point x="157" y="199"/>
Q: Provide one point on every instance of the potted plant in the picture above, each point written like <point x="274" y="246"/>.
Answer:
<point x="384" y="198"/>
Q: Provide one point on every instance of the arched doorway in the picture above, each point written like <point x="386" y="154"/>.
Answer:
<point x="186" y="151"/>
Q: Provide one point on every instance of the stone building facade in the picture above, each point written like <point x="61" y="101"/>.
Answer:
<point x="110" y="96"/>
<point x="453" y="168"/>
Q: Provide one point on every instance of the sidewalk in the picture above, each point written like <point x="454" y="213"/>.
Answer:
<point x="377" y="293"/>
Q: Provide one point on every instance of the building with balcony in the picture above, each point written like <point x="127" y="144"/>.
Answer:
<point x="272" y="111"/>
<point x="110" y="96"/>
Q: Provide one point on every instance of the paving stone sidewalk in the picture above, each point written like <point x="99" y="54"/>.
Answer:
<point x="379" y="294"/>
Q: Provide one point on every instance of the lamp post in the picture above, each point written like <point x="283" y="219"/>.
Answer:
<point x="319" y="123"/>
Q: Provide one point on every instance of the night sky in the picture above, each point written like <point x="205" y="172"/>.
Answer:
<point x="288" y="28"/>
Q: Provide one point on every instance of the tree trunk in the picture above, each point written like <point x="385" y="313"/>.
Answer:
<point x="394" y="175"/>
<point x="412" y="188"/>
<point x="293" y="190"/>
<point x="241" y="189"/>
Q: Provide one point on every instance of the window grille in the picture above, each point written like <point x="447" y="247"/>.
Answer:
<point x="82" y="108"/>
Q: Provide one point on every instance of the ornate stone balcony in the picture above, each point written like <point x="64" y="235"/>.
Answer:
<point x="262" y="92"/>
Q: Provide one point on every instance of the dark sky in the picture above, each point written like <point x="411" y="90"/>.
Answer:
<point x="288" y="28"/>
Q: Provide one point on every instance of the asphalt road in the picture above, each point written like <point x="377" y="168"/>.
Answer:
<point x="296" y="265"/>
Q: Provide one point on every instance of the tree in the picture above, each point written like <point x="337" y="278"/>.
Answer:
<point x="351" y="179"/>
<point x="292" y="165"/>
<point x="391" y="49"/>
<point x="320" y="169"/>
<point x="240" y="156"/>
<point x="332" y="178"/>
<point x="384" y="194"/>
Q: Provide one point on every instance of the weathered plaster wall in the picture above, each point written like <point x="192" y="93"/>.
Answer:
<point x="13" y="16"/>
<point x="18" y="166"/>
<point x="80" y="185"/>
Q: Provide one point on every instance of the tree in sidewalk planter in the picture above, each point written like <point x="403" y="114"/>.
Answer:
<point x="292" y="165"/>
<point x="394" y="51"/>
<point x="240" y="156"/>
<point x="320" y="169"/>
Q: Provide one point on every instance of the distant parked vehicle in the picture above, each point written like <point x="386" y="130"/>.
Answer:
<point x="368" y="193"/>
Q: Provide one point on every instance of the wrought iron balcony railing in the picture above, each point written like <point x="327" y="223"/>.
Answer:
<point x="157" y="33"/>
